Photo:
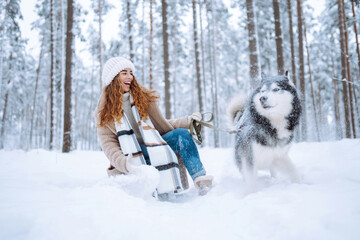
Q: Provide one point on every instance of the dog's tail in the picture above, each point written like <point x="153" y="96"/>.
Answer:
<point x="236" y="108"/>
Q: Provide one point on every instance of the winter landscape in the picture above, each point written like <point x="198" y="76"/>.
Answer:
<point x="197" y="55"/>
<point x="51" y="195"/>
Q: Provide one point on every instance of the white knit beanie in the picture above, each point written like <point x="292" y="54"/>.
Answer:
<point x="113" y="66"/>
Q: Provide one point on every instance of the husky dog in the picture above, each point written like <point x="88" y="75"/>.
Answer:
<point x="265" y="124"/>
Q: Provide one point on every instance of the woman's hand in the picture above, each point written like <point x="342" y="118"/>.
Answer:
<point x="195" y="116"/>
<point x="131" y="164"/>
<point x="149" y="173"/>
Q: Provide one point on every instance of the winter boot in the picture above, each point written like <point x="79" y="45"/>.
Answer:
<point x="203" y="184"/>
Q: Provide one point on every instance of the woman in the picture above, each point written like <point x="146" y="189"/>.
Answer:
<point x="132" y="130"/>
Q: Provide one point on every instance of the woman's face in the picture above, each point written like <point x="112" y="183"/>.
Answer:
<point x="126" y="78"/>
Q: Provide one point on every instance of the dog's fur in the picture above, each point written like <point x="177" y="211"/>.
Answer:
<point x="266" y="123"/>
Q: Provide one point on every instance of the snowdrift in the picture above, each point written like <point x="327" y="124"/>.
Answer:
<point x="50" y="195"/>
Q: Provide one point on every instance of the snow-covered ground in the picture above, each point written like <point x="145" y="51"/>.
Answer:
<point x="50" y="195"/>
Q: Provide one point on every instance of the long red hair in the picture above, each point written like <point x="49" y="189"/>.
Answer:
<point x="112" y="109"/>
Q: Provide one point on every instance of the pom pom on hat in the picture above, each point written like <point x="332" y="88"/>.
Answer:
<point x="113" y="66"/>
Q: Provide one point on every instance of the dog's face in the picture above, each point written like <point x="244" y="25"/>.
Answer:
<point x="273" y="98"/>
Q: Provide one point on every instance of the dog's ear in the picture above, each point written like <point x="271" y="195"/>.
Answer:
<point x="263" y="76"/>
<point x="287" y="75"/>
<point x="287" y="78"/>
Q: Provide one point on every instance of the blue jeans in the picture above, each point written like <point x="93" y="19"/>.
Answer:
<point x="181" y="143"/>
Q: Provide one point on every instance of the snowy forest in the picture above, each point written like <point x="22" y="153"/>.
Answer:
<point x="197" y="54"/>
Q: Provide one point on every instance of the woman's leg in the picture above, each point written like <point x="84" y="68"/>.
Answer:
<point x="181" y="142"/>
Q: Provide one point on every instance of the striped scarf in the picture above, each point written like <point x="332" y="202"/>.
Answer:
<point x="161" y="155"/>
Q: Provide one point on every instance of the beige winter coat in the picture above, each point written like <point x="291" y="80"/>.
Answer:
<point x="110" y="143"/>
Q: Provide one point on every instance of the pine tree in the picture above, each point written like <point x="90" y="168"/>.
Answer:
<point x="317" y="128"/>
<point x="35" y="94"/>
<point x="52" y="105"/>
<point x="59" y="69"/>
<point x="202" y="50"/>
<point x="254" y="66"/>
<point x="293" y="67"/>
<point x="101" y="8"/>
<point x="351" y="102"/>
<point x="100" y="41"/>
<point x="302" y="71"/>
<point x="128" y="13"/>
<point x="67" y="111"/>
<point x="13" y="68"/>
<point x="150" y="46"/>
<point x="343" y="69"/>
<point x="356" y="35"/>
<point x="166" y="59"/>
<point x="6" y="103"/>
<point x="197" y="61"/>
<point x="278" y="38"/>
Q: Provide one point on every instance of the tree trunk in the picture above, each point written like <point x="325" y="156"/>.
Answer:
<point x="150" y="47"/>
<point x="128" y="11"/>
<point x="254" y="65"/>
<point x="35" y="93"/>
<point x="211" y="68"/>
<point x="63" y="69"/>
<point x="143" y="44"/>
<point x="202" y="53"/>
<point x="357" y="107"/>
<point x="100" y="47"/>
<point x="293" y="66"/>
<point x="52" y="105"/>
<point x="343" y="69"/>
<point x="278" y="38"/>
<point x="317" y="119"/>
<point x="339" y="133"/>
<point x="6" y="100"/>
<point x="321" y="122"/>
<point x="67" y="105"/>
<point x="215" y="89"/>
<point x="89" y="118"/>
<point x="349" y="74"/>
<point x="338" y="128"/>
<point x="58" y="71"/>
<point x="212" y="64"/>
<point x="166" y="59"/>
<point x="175" y="59"/>
<point x="197" y="60"/>
<point x="356" y="35"/>
<point x="302" y="71"/>
<point x="2" y="29"/>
